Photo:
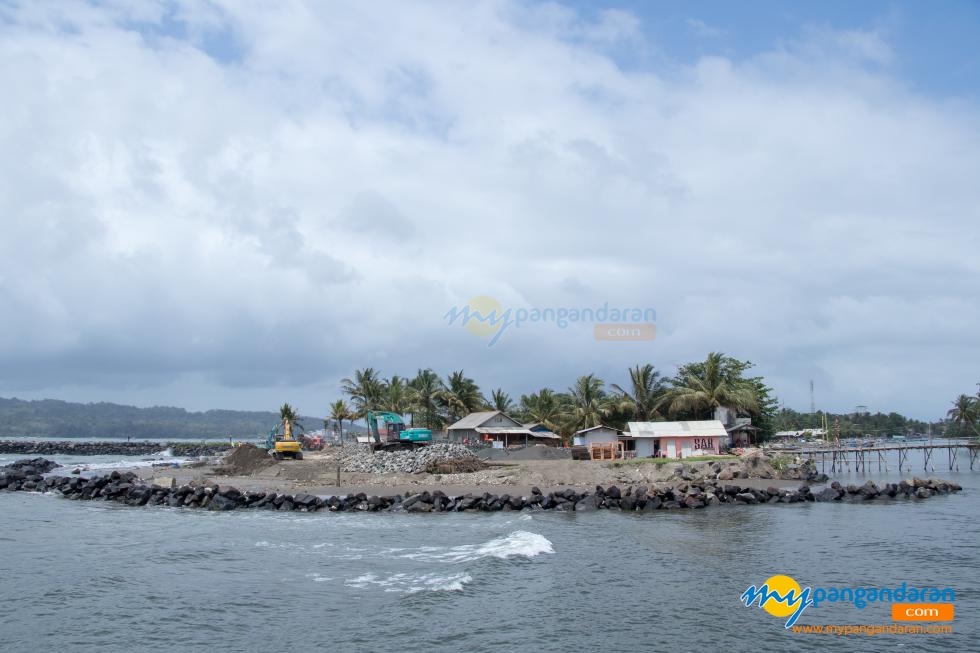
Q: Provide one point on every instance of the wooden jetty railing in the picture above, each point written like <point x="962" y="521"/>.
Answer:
<point x="864" y="458"/>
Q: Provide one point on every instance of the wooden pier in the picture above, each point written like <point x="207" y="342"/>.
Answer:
<point x="864" y="459"/>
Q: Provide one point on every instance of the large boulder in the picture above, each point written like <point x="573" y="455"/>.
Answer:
<point x="222" y="503"/>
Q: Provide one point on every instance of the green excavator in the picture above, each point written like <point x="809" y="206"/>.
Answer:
<point x="388" y="433"/>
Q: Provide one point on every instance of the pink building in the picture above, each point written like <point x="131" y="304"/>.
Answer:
<point x="678" y="439"/>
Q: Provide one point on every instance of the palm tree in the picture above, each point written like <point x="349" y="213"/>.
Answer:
<point x="397" y="399"/>
<point x="460" y="396"/>
<point x="544" y="407"/>
<point x="339" y="411"/>
<point x="423" y="397"/>
<point x="366" y="391"/>
<point x="289" y="419"/>
<point x="964" y="412"/>
<point x="701" y="387"/>
<point x="589" y="403"/>
<point x="647" y="388"/>
<point x="500" y="400"/>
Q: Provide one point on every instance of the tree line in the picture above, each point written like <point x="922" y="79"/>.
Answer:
<point x="694" y="392"/>
<point x="963" y="418"/>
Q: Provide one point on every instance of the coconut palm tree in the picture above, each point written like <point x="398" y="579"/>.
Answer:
<point x="544" y="407"/>
<point x="965" y="412"/>
<point x="646" y="390"/>
<point x="397" y="396"/>
<point x="460" y="396"/>
<point x="423" y="397"/>
<point x="589" y="402"/>
<point x="366" y="391"/>
<point x="339" y="411"/>
<point x="289" y="419"/>
<point x="500" y="400"/>
<point x="701" y="387"/>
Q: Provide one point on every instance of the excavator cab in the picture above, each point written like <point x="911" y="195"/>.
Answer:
<point x="388" y="432"/>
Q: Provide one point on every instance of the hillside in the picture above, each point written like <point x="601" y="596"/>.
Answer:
<point x="62" y="419"/>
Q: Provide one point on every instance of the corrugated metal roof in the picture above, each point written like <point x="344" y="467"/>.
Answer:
<point x="706" y="428"/>
<point x="474" y="420"/>
<point x="601" y="426"/>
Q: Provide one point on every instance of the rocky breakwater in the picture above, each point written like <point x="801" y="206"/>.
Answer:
<point x="25" y="474"/>
<point x="110" y="448"/>
<point x="127" y="488"/>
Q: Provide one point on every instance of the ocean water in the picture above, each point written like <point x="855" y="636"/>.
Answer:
<point x="87" y="576"/>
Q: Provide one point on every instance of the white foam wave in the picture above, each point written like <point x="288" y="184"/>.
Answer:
<point x="412" y="583"/>
<point x="163" y="464"/>
<point x="518" y="544"/>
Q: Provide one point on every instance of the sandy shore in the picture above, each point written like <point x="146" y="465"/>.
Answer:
<point x="317" y="474"/>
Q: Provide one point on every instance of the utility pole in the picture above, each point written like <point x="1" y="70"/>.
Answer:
<point x="813" y="404"/>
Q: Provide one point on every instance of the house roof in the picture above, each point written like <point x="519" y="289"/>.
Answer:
<point x="595" y="428"/>
<point x="540" y="429"/>
<point x="742" y="427"/>
<point x="705" y="428"/>
<point x="518" y="430"/>
<point x="474" y="420"/>
<point x="513" y="430"/>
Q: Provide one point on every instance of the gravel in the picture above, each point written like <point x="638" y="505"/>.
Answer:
<point x="358" y="458"/>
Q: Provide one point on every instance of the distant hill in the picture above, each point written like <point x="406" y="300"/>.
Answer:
<point x="62" y="419"/>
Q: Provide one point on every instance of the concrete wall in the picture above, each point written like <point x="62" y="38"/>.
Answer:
<point x="592" y="437"/>
<point x="699" y="446"/>
<point x="644" y="447"/>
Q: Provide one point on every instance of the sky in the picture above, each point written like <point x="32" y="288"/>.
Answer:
<point x="235" y="204"/>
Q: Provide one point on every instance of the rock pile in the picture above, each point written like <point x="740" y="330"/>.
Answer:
<point x="110" y="448"/>
<point x="125" y="487"/>
<point x="25" y="474"/>
<point x="357" y="458"/>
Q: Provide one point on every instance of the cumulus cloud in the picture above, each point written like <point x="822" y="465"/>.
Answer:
<point x="248" y="201"/>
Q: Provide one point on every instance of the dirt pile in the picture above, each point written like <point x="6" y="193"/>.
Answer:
<point x="456" y="466"/>
<point x="246" y="459"/>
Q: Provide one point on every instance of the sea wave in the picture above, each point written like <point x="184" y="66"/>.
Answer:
<point x="411" y="583"/>
<point x="521" y="544"/>
<point x="127" y="464"/>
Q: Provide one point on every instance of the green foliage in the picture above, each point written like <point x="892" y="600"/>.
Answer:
<point x="500" y="400"/>
<point x="339" y="412"/>
<point x="699" y="388"/>
<point x="640" y="400"/>
<point x="423" y="396"/>
<point x="854" y="425"/>
<point x="964" y="415"/>
<point x="459" y="397"/>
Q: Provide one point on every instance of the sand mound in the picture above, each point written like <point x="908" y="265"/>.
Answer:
<point x="244" y="460"/>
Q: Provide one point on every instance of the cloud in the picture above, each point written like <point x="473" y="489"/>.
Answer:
<point x="703" y="30"/>
<point x="250" y="199"/>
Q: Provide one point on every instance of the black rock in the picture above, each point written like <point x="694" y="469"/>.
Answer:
<point x="222" y="502"/>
